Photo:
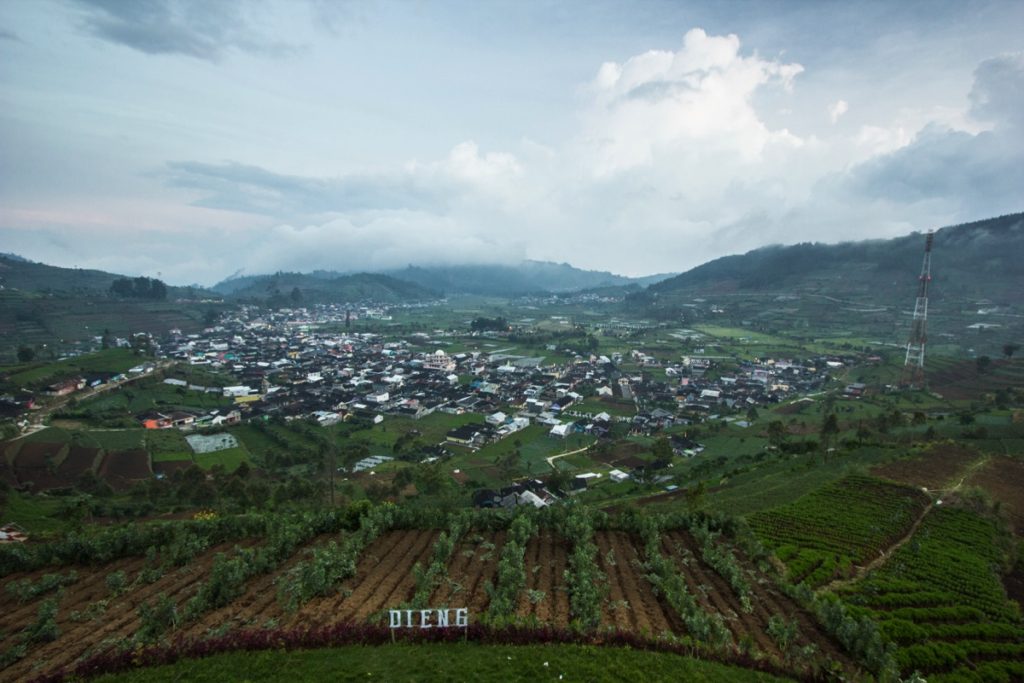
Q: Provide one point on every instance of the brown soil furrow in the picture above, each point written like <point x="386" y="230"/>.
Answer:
<point x="370" y="558"/>
<point x="259" y="591"/>
<point x="85" y="637"/>
<point x="476" y="597"/>
<point x="404" y="588"/>
<point x="532" y="565"/>
<point x="559" y="589"/>
<point x="650" y="616"/>
<point x="89" y="587"/>
<point x="615" y="610"/>
<point x="739" y="622"/>
<point x="379" y="578"/>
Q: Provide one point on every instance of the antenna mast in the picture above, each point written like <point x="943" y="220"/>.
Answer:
<point x="913" y="364"/>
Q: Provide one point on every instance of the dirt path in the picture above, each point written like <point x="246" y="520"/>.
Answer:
<point x="551" y="459"/>
<point x="861" y="572"/>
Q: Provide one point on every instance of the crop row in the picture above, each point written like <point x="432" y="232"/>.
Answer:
<point x="583" y="577"/>
<point x="824" y="533"/>
<point x="511" y="578"/>
<point x="940" y="599"/>
<point x="427" y="580"/>
<point x="708" y="630"/>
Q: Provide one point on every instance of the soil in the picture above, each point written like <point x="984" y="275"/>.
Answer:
<point x="1003" y="478"/>
<point x="631" y="604"/>
<point x="546" y="559"/>
<point x="941" y="466"/>
<point x="84" y="635"/>
<point x="121" y="469"/>
<point x="472" y="567"/>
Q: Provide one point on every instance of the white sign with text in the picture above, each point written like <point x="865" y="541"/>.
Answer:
<point x="429" y="618"/>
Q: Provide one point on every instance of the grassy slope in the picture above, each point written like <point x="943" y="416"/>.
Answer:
<point x="468" y="662"/>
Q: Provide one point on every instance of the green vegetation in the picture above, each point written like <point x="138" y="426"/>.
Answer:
<point x="511" y="577"/>
<point x="824" y="534"/>
<point x="940" y="600"/>
<point x="40" y="374"/>
<point x="445" y="662"/>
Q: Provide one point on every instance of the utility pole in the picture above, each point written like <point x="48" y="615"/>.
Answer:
<point x="913" y="363"/>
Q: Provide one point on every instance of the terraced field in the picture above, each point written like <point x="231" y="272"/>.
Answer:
<point x="824" y="535"/>
<point x="940" y="601"/>
<point x="313" y="574"/>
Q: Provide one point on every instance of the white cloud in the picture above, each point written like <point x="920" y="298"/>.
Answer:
<point x="679" y="155"/>
<point x="696" y="101"/>
<point x="837" y="109"/>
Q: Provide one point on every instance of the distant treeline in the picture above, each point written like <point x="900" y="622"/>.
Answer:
<point x="498" y="324"/>
<point x="139" y="288"/>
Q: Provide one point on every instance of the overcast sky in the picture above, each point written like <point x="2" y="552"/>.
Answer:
<point x="192" y="139"/>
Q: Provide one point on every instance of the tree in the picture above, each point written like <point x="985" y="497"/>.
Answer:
<point x="1010" y="349"/>
<point x="983" y="363"/>
<point x="752" y="414"/>
<point x="558" y="480"/>
<point x="863" y="433"/>
<point x="829" y="429"/>
<point x="662" y="450"/>
<point x="776" y="433"/>
<point x="695" y="497"/>
<point x="296" y="296"/>
<point x="25" y="354"/>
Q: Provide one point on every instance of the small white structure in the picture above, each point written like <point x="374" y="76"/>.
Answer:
<point x="618" y="475"/>
<point x="212" y="443"/>
<point x="561" y="430"/>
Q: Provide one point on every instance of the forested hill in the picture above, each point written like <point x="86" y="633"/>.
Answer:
<point x="527" y="277"/>
<point x="299" y="288"/>
<point x="17" y="273"/>
<point x="984" y="259"/>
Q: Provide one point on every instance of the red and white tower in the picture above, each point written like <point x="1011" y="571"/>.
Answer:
<point x="913" y="364"/>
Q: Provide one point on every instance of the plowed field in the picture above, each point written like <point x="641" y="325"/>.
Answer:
<point x="91" y="619"/>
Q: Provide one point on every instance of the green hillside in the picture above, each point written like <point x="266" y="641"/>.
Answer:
<point x="282" y="289"/>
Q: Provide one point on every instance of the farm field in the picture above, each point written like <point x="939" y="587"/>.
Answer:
<point x="955" y="379"/>
<point x="940" y="466"/>
<point x="825" y="534"/>
<point x="940" y="602"/>
<point x="1003" y="479"/>
<point x="312" y="575"/>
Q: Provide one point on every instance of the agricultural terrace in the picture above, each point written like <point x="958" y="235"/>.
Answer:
<point x="37" y="374"/>
<point x="940" y="601"/>
<point x="958" y="379"/>
<point x="823" y="535"/>
<point x="677" y="583"/>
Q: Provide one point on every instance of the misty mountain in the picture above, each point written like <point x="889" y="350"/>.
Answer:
<point x="321" y="287"/>
<point x="982" y="260"/>
<point x="527" y="277"/>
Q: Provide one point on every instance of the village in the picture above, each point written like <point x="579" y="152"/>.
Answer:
<point x="316" y="366"/>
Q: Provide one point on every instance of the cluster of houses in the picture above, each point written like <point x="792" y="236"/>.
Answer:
<point x="305" y="363"/>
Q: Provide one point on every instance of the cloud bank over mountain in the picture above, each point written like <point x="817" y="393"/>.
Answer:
<point x="257" y="136"/>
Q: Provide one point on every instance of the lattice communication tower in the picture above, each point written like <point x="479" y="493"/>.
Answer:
<point x="913" y="364"/>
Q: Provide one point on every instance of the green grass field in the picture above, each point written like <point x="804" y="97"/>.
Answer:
<point x="229" y="458"/>
<point x="109" y="360"/>
<point x="450" y="662"/>
<point x="34" y="513"/>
